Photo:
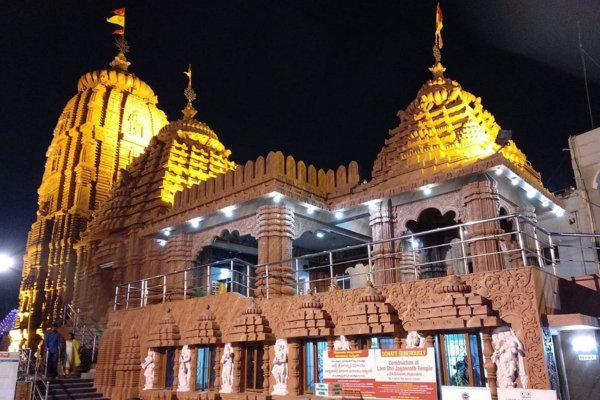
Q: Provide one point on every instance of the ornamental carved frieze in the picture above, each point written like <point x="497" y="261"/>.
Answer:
<point x="165" y="333"/>
<point x="203" y="238"/>
<point x="453" y="201"/>
<point x="309" y="320"/>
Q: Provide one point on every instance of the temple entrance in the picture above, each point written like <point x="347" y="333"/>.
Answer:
<point x="436" y="251"/>
<point x="230" y="264"/>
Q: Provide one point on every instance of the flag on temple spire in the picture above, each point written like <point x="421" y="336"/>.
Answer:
<point x="118" y="19"/>
<point x="189" y="75"/>
<point x="439" y="18"/>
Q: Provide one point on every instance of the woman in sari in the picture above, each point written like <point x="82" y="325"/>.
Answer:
<point x="72" y="350"/>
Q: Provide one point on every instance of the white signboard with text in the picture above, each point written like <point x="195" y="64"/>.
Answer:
<point x="525" y="394"/>
<point x="465" y="393"/>
<point x="9" y="367"/>
<point x="383" y="373"/>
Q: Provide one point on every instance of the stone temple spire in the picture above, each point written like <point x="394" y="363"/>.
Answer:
<point x="189" y="111"/>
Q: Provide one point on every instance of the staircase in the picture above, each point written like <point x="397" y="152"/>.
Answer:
<point x="87" y="335"/>
<point x="71" y="389"/>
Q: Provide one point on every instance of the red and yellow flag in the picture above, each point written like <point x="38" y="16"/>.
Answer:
<point x="118" y="19"/>
<point x="439" y="18"/>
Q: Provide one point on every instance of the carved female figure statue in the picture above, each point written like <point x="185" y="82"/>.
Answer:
<point x="184" y="369"/>
<point x="148" y="366"/>
<point x="509" y="356"/>
<point x="341" y="343"/>
<point x="227" y="369"/>
<point x="414" y="340"/>
<point x="280" y="368"/>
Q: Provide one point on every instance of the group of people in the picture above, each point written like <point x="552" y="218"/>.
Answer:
<point x="63" y="357"/>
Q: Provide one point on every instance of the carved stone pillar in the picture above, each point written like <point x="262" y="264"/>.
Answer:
<point x="275" y="232"/>
<point x="489" y="366"/>
<point x="481" y="202"/>
<point x="294" y="367"/>
<point x="179" y="248"/>
<point x="429" y="339"/>
<point x="330" y="343"/>
<point x="218" y="380"/>
<point x="266" y="370"/>
<point x="237" y="368"/>
<point x="386" y="256"/>
<point x="352" y="342"/>
<point x="397" y="341"/>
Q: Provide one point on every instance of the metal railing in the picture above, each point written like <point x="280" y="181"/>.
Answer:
<point x="28" y="371"/>
<point x="87" y="337"/>
<point x="419" y="255"/>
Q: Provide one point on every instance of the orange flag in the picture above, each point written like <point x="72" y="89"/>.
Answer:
<point x="119" y="32"/>
<point x="438" y="26"/>
<point x="120" y="11"/>
<point x="118" y="19"/>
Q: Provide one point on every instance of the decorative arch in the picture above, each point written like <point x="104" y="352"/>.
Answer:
<point x="444" y="203"/>
<point x="201" y="239"/>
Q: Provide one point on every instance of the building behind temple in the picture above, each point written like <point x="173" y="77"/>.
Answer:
<point x="156" y="240"/>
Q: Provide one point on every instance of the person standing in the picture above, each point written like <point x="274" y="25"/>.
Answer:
<point x="52" y="343"/>
<point x="73" y="350"/>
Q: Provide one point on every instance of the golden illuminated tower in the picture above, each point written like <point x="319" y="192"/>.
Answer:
<point x="114" y="248"/>
<point x="103" y="127"/>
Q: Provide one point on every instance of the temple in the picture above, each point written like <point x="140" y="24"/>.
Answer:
<point x="206" y="279"/>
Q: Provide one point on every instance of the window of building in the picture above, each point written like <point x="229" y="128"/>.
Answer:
<point x="313" y="364"/>
<point x="55" y="161"/>
<point x="343" y="281"/>
<point x="461" y="359"/>
<point x="253" y="364"/>
<point x="169" y="364"/>
<point x="547" y="255"/>
<point x="205" y="368"/>
<point x="375" y="342"/>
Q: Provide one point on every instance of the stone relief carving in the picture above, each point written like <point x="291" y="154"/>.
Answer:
<point x="245" y="226"/>
<point x="446" y="202"/>
<point x="184" y="369"/>
<point x="148" y="367"/>
<point x="280" y="368"/>
<point x="414" y="340"/>
<point x="227" y="369"/>
<point x="341" y="343"/>
<point x="509" y="356"/>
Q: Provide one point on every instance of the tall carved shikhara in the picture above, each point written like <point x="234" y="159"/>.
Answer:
<point x="103" y="127"/>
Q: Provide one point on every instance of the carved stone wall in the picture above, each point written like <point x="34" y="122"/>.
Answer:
<point x="514" y="294"/>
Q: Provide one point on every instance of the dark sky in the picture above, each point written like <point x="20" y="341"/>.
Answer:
<point x="320" y="80"/>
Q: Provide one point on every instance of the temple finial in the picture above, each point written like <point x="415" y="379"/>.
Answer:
<point x="438" y="42"/>
<point x="190" y="95"/>
<point x="118" y="18"/>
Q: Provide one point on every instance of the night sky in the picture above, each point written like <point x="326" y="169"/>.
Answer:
<point x="316" y="79"/>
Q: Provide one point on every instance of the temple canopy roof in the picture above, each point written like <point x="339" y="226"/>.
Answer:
<point x="184" y="153"/>
<point x="445" y="127"/>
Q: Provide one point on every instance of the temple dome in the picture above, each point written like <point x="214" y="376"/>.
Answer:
<point x="444" y="127"/>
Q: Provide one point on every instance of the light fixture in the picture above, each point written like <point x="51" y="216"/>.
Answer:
<point x="277" y="198"/>
<point x="465" y="231"/>
<point x="427" y="190"/>
<point x="195" y="223"/>
<point x="311" y="210"/>
<point x="498" y="171"/>
<point x="228" y="211"/>
<point x="584" y="344"/>
<point x="503" y="137"/>
<point x="559" y="211"/>
<point x="373" y="204"/>
<point x="416" y="243"/>
<point x="514" y="181"/>
<point x="5" y="262"/>
<point x="531" y="193"/>
<point x="320" y="234"/>
<point x="167" y="232"/>
<point x="545" y="202"/>
<point x="162" y="243"/>
<point x="339" y="215"/>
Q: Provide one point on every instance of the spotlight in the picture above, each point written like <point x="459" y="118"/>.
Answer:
<point x="162" y="243"/>
<point x="584" y="344"/>
<point x="277" y="198"/>
<point x="499" y="171"/>
<point x="320" y="234"/>
<point x="5" y="262"/>
<point x="503" y="137"/>
<point x="427" y="190"/>
<point x="339" y="215"/>
<point x="514" y="181"/>
<point x="531" y="194"/>
<point x="311" y="210"/>
<point x="167" y="232"/>
<point x="195" y="223"/>
<point x="228" y="211"/>
<point x="545" y="202"/>
<point x="559" y="211"/>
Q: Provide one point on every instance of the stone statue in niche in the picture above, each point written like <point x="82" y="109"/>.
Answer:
<point x="227" y="369"/>
<point x="509" y="357"/>
<point x="280" y="368"/>
<point x="341" y="343"/>
<point x="184" y="369"/>
<point x="148" y="367"/>
<point x="414" y="340"/>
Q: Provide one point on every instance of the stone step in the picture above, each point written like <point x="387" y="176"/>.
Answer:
<point x="76" y="396"/>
